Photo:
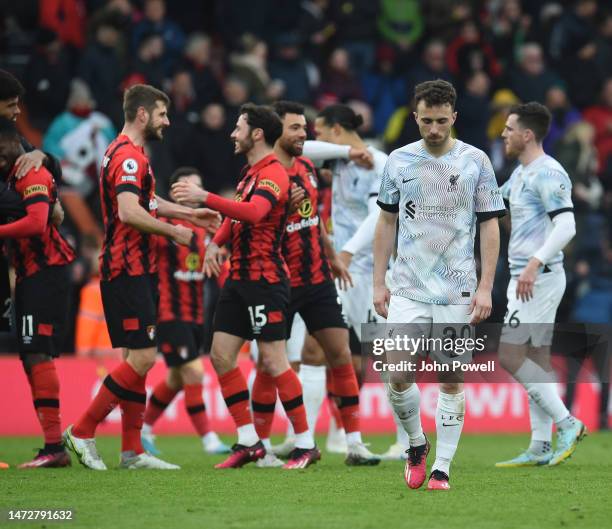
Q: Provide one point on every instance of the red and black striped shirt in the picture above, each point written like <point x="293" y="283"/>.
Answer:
<point x="181" y="281"/>
<point x="257" y="248"/>
<point x="125" y="168"/>
<point x="31" y="254"/>
<point x="302" y="244"/>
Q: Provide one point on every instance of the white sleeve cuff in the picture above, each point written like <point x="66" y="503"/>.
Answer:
<point x="322" y="150"/>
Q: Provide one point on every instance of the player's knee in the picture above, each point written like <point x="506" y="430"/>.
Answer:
<point x="220" y="361"/>
<point x="174" y="379"/>
<point x="191" y="374"/>
<point x="451" y="388"/>
<point x="400" y="386"/>
<point x="31" y="359"/>
<point x="508" y="358"/>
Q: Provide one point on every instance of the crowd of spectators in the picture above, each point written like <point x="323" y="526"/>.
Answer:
<point x="75" y="57"/>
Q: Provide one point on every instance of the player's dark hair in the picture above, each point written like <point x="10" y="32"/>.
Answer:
<point x="10" y="87"/>
<point x="184" y="171"/>
<point x="8" y="130"/>
<point x="533" y="116"/>
<point x="435" y="93"/>
<point x="342" y="115"/>
<point x="264" y="118"/>
<point x="288" y="107"/>
<point x="142" y="95"/>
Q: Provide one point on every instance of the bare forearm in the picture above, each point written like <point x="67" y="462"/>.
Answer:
<point x="172" y="210"/>
<point x="489" y="251"/>
<point x="384" y="238"/>
<point x="140" y="220"/>
<point x="328" y="246"/>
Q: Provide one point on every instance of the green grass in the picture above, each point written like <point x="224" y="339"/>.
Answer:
<point x="326" y="496"/>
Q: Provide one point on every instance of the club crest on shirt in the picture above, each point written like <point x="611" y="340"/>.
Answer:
<point x="453" y="182"/>
<point x="151" y="332"/>
<point x="305" y="209"/>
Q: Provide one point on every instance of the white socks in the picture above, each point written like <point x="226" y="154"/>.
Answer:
<point x="313" y="388"/>
<point x="401" y="437"/>
<point x="449" y="423"/>
<point x="304" y="440"/>
<point x="541" y="429"/>
<point x="247" y="436"/>
<point x="406" y="405"/>
<point x="541" y="387"/>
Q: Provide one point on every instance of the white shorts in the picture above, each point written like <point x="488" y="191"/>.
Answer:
<point x="425" y="315"/>
<point x="294" y="343"/>
<point x="532" y="321"/>
<point x="357" y="303"/>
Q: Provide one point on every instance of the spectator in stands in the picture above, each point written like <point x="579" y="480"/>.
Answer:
<point x="251" y="66"/>
<point x="46" y="79"/>
<point x="100" y="65"/>
<point x="235" y="94"/>
<point x="564" y="115"/>
<point x="531" y="79"/>
<point x="339" y="82"/>
<point x="575" y="27"/>
<point x="431" y="66"/>
<point x="469" y="52"/>
<point x="299" y="77"/>
<point x="603" y="40"/>
<point x="444" y="17"/>
<point x="155" y="21"/>
<point x="197" y="63"/>
<point x="78" y="137"/>
<point x="215" y="152"/>
<point x="356" y="31"/>
<point x="509" y="28"/>
<point x="383" y="89"/>
<point x="149" y="61"/>
<point x="66" y="18"/>
<point x="472" y="105"/>
<point x="315" y="29"/>
<point x="400" y="24"/>
<point x="600" y="116"/>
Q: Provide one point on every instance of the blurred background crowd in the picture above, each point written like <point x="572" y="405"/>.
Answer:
<point x="75" y="57"/>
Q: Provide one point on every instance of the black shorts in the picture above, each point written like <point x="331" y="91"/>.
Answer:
<point x="318" y="305"/>
<point x="42" y="304"/>
<point x="130" y="309"/>
<point x="253" y="310"/>
<point x="179" y="341"/>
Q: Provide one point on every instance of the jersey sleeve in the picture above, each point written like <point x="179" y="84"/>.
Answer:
<point x="273" y="184"/>
<point x="555" y="191"/>
<point x="388" y="194"/>
<point x="36" y="186"/>
<point x="128" y="172"/>
<point x="505" y="189"/>
<point x="380" y="161"/>
<point x="488" y="201"/>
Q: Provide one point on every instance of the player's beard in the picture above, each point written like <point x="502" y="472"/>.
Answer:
<point x="152" y="133"/>
<point x="243" y="146"/>
<point x="291" y="147"/>
<point x="513" y="150"/>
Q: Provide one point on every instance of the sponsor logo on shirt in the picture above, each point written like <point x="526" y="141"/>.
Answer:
<point x="304" y="223"/>
<point x="270" y="185"/>
<point x="35" y="189"/>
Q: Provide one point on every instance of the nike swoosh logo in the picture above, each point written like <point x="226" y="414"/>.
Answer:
<point x="409" y="180"/>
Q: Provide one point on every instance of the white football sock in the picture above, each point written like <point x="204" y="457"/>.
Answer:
<point x="406" y="404"/>
<point x="267" y="445"/>
<point x="304" y="440"/>
<point x="147" y="429"/>
<point x="401" y="437"/>
<point x="449" y="423"/>
<point x="542" y="388"/>
<point x="313" y="389"/>
<point x="247" y="436"/>
<point x="541" y="423"/>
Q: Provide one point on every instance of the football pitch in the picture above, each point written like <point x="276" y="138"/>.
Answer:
<point x="326" y="495"/>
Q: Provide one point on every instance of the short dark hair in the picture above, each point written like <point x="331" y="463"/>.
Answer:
<point x="533" y="116"/>
<point x="264" y="118"/>
<point x="342" y="115"/>
<point x="184" y="171"/>
<point x="10" y="87"/>
<point x="435" y="93"/>
<point x="8" y="130"/>
<point x="288" y="107"/>
<point x="142" y="95"/>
